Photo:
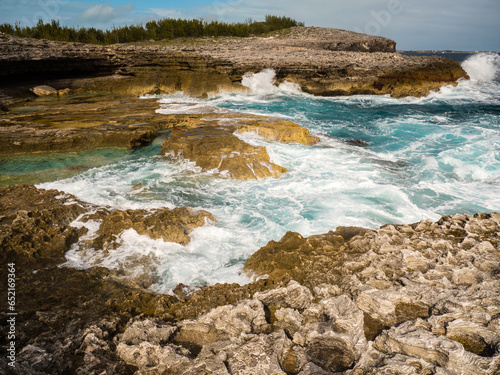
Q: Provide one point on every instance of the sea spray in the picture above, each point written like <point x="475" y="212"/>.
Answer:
<point x="264" y="83"/>
<point x="483" y="67"/>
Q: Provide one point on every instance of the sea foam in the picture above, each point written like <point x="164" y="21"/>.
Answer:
<point x="483" y="67"/>
<point x="264" y="83"/>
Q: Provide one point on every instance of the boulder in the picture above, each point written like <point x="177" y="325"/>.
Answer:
<point x="44" y="90"/>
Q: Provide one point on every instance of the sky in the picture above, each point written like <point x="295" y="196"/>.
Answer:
<point x="466" y="25"/>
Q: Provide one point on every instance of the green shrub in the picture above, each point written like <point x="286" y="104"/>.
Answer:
<point x="167" y="28"/>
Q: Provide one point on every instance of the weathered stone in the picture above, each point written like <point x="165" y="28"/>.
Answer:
<point x="35" y="228"/>
<point x="411" y="340"/>
<point x="280" y="130"/>
<point x="43" y="90"/>
<point x="154" y="359"/>
<point x="294" y="296"/>
<point x="171" y="225"/>
<point x="215" y="149"/>
<point x="148" y="330"/>
<point x="222" y="323"/>
<point x="422" y="320"/>
<point x="322" y="61"/>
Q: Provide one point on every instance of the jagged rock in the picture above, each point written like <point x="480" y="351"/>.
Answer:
<point x="148" y="330"/>
<point x="294" y="296"/>
<point x="398" y="283"/>
<point x="414" y="340"/>
<point x="223" y="323"/>
<point x="35" y="228"/>
<point x="215" y="149"/>
<point x="154" y="359"/>
<point x="171" y="225"/>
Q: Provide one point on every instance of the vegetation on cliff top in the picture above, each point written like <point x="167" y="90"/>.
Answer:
<point x="157" y="30"/>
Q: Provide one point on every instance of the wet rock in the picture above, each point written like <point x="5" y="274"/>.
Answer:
<point x="382" y="301"/>
<point x="171" y="225"/>
<point x="279" y="130"/>
<point x="79" y="123"/>
<point x="215" y="149"/>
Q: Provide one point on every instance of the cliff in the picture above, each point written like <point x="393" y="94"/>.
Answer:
<point x="321" y="61"/>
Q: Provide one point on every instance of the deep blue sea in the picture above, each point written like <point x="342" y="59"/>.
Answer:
<point x="425" y="157"/>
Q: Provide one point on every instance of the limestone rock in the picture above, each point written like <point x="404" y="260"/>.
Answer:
<point x="148" y="330"/>
<point x="322" y="61"/>
<point x="171" y="225"/>
<point x="154" y="359"/>
<point x="215" y="149"/>
<point x="294" y="296"/>
<point x="223" y="323"/>
<point x="414" y="341"/>
<point x="44" y="90"/>
<point x="280" y="130"/>
<point x="35" y="228"/>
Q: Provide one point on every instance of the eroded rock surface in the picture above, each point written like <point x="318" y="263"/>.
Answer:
<point x="210" y="142"/>
<point x="322" y="61"/>
<point x="35" y="228"/>
<point x="405" y="299"/>
<point x="171" y="225"/>
<point x="221" y="151"/>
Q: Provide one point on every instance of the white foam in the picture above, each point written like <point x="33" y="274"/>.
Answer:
<point x="264" y="84"/>
<point x="482" y="67"/>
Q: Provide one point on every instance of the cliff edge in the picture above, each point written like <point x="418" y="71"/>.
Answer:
<point x="327" y="62"/>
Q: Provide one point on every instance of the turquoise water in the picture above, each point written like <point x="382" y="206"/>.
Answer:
<point x="425" y="157"/>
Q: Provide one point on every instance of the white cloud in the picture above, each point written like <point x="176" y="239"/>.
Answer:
<point x="165" y="13"/>
<point x="105" y="13"/>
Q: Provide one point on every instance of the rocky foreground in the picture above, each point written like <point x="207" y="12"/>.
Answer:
<point x="403" y="299"/>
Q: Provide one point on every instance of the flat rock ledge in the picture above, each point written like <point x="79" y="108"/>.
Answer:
<point x="210" y="139"/>
<point x="321" y="61"/>
<point x="403" y="299"/>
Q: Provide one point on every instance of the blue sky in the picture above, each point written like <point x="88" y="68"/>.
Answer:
<point x="413" y="24"/>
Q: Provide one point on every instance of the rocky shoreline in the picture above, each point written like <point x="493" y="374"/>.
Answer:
<point x="321" y="61"/>
<point x="407" y="299"/>
<point x="420" y="298"/>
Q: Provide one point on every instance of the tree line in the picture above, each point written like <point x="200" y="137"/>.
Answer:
<point x="165" y="29"/>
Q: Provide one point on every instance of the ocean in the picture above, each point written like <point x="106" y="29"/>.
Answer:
<point x="380" y="160"/>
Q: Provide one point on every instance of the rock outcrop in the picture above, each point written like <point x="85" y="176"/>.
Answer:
<point x="171" y="225"/>
<point x="322" y="61"/>
<point x="215" y="149"/>
<point x="211" y="143"/>
<point x="35" y="228"/>
<point x="406" y="299"/>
